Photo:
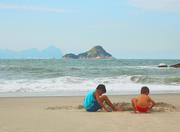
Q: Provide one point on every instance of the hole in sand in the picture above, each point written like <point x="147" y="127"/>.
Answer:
<point x="159" y="107"/>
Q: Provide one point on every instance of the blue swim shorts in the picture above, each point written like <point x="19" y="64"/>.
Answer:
<point x="95" y="107"/>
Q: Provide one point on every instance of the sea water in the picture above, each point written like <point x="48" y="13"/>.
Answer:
<point x="56" y="77"/>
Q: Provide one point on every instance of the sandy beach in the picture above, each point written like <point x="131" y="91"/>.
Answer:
<point x="65" y="114"/>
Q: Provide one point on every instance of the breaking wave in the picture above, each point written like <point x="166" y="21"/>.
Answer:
<point x="68" y="83"/>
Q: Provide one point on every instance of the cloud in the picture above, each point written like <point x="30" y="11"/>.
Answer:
<point x="157" y="5"/>
<point x="5" y="6"/>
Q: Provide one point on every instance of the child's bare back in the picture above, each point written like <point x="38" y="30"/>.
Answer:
<point x="143" y="103"/>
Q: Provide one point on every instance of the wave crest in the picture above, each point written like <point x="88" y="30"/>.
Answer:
<point x="155" y="80"/>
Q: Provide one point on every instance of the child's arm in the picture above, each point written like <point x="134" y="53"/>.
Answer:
<point x="153" y="102"/>
<point x="101" y="103"/>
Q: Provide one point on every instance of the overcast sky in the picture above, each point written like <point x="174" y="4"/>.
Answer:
<point x="125" y="28"/>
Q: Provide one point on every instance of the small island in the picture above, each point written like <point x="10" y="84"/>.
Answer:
<point x="96" y="52"/>
<point x="162" y="65"/>
<point x="175" y="66"/>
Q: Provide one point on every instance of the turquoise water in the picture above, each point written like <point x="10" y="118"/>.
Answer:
<point x="79" y="76"/>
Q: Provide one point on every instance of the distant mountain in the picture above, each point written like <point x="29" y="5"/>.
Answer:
<point x="50" y="52"/>
<point x="96" y="52"/>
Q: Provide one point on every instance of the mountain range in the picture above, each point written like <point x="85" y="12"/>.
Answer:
<point x="33" y="53"/>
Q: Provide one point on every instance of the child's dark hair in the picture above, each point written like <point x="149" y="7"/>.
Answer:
<point x="144" y="90"/>
<point x="101" y="87"/>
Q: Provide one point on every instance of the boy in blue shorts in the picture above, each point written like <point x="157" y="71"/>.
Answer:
<point x="94" y="101"/>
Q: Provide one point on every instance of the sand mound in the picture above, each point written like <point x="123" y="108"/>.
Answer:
<point x="163" y="107"/>
<point x="159" y="107"/>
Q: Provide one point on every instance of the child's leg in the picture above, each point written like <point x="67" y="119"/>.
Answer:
<point x="134" y="101"/>
<point x="106" y="99"/>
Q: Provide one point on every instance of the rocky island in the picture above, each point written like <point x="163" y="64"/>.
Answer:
<point x="175" y="66"/>
<point x="96" y="52"/>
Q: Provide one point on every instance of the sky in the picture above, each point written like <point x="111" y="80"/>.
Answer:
<point x="128" y="29"/>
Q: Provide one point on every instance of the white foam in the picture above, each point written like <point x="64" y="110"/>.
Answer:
<point x="65" y="84"/>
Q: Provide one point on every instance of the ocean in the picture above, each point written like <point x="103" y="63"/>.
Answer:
<point x="56" y="77"/>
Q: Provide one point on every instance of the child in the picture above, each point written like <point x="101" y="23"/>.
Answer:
<point x="143" y="103"/>
<point x="94" y="101"/>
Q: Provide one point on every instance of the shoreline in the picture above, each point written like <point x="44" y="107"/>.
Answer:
<point x="75" y="94"/>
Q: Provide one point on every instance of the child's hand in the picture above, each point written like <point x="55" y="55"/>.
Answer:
<point x="118" y="109"/>
<point x="133" y="112"/>
<point x="108" y="110"/>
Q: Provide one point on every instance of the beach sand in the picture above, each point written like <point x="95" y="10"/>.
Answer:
<point x="65" y="114"/>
